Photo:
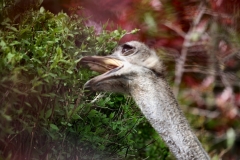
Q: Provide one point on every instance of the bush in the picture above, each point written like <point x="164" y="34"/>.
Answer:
<point x="44" y="112"/>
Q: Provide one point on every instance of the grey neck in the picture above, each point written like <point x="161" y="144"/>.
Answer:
<point x="157" y="102"/>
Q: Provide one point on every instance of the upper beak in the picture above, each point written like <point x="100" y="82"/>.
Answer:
<point x="101" y="64"/>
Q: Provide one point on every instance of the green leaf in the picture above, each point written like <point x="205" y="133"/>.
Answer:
<point x="12" y="28"/>
<point x="69" y="71"/>
<point x="54" y="127"/>
<point x="2" y="44"/>
<point x="231" y="137"/>
<point x="7" y="117"/>
<point x="76" y="116"/>
<point x="48" y="113"/>
<point x="135" y="31"/>
<point x="10" y="56"/>
<point x="19" y="92"/>
<point x="42" y="10"/>
<point x="14" y="43"/>
<point x="112" y="115"/>
<point x="28" y="104"/>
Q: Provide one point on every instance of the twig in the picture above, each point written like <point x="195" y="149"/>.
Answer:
<point x="80" y="95"/>
<point x="100" y="95"/>
<point x="186" y="44"/>
<point x="205" y="113"/>
<point x="176" y="29"/>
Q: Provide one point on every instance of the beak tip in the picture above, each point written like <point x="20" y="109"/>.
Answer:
<point x="87" y="86"/>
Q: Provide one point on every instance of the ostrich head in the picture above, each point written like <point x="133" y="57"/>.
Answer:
<point x="127" y="62"/>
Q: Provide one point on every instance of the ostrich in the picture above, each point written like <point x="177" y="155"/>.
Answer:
<point x="135" y="69"/>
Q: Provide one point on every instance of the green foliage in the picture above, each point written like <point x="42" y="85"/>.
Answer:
<point x="44" y="112"/>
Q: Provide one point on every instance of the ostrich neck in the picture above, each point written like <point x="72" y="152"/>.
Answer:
<point x="156" y="101"/>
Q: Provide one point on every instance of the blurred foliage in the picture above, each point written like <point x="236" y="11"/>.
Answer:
<point x="44" y="112"/>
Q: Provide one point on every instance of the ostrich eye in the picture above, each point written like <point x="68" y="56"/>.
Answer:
<point x="127" y="50"/>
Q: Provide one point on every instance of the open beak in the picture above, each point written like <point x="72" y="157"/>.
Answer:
<point x="107" y="65"/>
<point x="101" y="64"/>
